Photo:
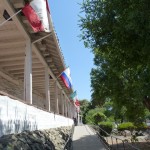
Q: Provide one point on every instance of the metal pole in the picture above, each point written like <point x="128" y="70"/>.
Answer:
<point x="42" y="38"/>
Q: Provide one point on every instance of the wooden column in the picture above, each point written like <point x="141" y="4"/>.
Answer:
<point x="64" y="99"/>
<point x="56" y="98"/>
<point x="28" y="73"/>
<point x="66" y="106"/>
<point x="62" y="102"/>
<point x="68" y="109"/>
<point x="72" y="110"/>
<point x="47" y="89"/>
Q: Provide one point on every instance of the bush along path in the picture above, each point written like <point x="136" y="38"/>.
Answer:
<point x="127" y="142"/>
<point x="51" y="139"/>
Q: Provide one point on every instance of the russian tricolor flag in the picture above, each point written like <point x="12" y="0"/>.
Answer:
<point x="37" y="13"/>
<point x="65" y="76"/>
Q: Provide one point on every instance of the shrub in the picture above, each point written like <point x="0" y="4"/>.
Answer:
<point x="126" y="126"/>
<point x="141" y="126"/>
<point x="98" y="116"/>
<point x="90" y="115"/>
<point x="106" y="126"/>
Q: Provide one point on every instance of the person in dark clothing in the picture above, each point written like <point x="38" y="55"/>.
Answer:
<point x="75" y="121"/>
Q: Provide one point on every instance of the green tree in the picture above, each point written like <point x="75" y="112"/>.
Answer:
<point x="85" y="105"/>
<point x="117" y="31"/>
<point x="93" y="116"/>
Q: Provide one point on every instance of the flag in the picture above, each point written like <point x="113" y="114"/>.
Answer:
<point x="77" y="103"/>
<point x="74" y="94"/>
<point x="66" y="78"/>
<point x="37" y="12"/>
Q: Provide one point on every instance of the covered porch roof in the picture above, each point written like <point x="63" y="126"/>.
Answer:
<point x="45" y="52"/>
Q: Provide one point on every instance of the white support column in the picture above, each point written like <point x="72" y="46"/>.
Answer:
<point x="62" y="102"/>
<point x="56" y="99"/>
<point x="78" y="119"/>
<point x="75" y="112"/>
<point x="72" y="111"/>
<point x="47" y="89"/>
<point x="66" y="105"/>
<point x="69" y="107"/>
<point x="28" y="73"/>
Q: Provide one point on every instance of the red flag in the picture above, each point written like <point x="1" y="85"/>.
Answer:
<point x="37" y="14"/>
<point x="33" y="18"/>
<point x="77" y="103"/>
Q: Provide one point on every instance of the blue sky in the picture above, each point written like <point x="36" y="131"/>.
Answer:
<point x="77" y="57"/>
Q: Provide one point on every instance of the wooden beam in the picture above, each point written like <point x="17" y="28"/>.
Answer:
<point x="41" y="86"/>
<point x="13" y="67"/>
<point x="17" y="63"/>
<point x="11" y="59"/>
<point x="12" y="52"/>
<point x="16" y="19"/>
<point x="20" y="67"/>
<point x="34" y="75"/>
<point x="39" y="80"/>
<point x="7" y="77"/>
<point x="12" y="44"/>
<point x="38" y="84"/>
<point x="18" y="3"/>
<point x="15" y="57"/>
<point x="34" y="70"/>
<point x="10" y="34"/>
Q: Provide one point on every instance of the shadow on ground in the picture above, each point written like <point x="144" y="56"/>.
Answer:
<point x="88" y="142"/>
<point x="139" y="145"/>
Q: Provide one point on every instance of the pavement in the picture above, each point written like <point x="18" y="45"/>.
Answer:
<point x="85" y="139"/>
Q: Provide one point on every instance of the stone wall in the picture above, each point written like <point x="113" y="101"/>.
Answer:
<point x="51" y="139"/>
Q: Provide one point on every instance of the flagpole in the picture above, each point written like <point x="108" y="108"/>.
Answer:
<point x="10" y="17"/>
<point x="62" y="72"/>
<point x="42" y="38"/>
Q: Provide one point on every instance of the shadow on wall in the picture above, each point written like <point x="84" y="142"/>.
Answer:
<point x="16" y="117"/>
<point x="16" y="126"/>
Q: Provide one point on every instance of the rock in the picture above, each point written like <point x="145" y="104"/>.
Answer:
<point x="127" y="133"/>
<point x="51" y="139"/>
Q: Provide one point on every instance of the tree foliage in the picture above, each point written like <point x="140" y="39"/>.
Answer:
<point x="93" y="116"/>
<point x="85" y="105"/>
<point x="118" y="32"/>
